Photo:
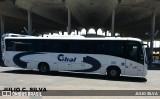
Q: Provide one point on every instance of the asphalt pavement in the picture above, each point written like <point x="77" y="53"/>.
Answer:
<point x="12" y="77"/>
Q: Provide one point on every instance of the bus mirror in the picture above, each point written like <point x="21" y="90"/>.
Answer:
<point x="146" y="45"/>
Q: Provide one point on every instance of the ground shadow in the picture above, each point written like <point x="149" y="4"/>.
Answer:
<point x="78" y="75"/>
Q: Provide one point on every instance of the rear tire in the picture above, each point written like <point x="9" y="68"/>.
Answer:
<point x="43" y="68"/>
<point x="113" y="73"/>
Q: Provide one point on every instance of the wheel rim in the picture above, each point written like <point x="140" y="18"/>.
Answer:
<point x="44" y="68"/>
<point x="113" y="73"/>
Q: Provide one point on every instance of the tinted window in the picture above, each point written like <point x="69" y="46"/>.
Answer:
<point x="76" y="46"/>
<point x="117" y="48"/>
<point x="114" y="48"/>
<point x="9" y="45"/>
<point x="17" y="45"/>
<point x="134" y="52"/>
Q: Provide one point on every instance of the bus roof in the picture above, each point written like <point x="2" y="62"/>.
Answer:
<point x="76" y="38"/>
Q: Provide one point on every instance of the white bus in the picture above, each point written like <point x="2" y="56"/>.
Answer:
<point x="10" y="35"/>
<point x="113" y="56"/>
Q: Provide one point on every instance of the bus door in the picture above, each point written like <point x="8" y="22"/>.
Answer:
<point x="131" y="67"/>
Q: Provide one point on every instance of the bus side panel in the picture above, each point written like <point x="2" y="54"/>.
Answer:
<point x="8" y="60"/>
<point x="107" y="61"/>
<point x="145" y="70"/>
<point x="36" y="59"/>
<point x="88" y="63"/>
<point x="142" y="69"/>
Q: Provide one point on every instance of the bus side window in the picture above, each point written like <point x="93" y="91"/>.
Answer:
<point x="105" y="47"/>
<point x="10" y="45"/>
<point x="38" y="46"/>
<point x="117" y="48"/>
<point x="90" y="47"/>
<point x="75" y="47"/>
<point x="134" y="52"/>
<point x="140" y="54"/>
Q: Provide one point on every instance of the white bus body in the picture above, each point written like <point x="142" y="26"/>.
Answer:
<point x="112" y="56"/>
<point x="10" y="35"/>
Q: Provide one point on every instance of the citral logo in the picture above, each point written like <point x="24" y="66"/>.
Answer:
<point x="62" y="58"/>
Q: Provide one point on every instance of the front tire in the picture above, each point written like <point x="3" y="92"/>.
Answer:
<point x="113" y="73"/>
<point x="44" y="68"/>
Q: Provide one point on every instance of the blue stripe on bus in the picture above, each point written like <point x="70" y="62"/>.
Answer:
<point x="19" y="62"/>
<point x="89" y="60"/>
<point x="92" y="61"/>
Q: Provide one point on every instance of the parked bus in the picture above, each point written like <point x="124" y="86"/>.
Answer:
<point x="10" y="35"/>
<point x="13" y="35"/>
<point x="113" y="56"/>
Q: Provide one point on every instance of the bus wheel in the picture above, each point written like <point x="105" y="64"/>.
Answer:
<point x="43" y="68"/>
<point x="113" y="72"/>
